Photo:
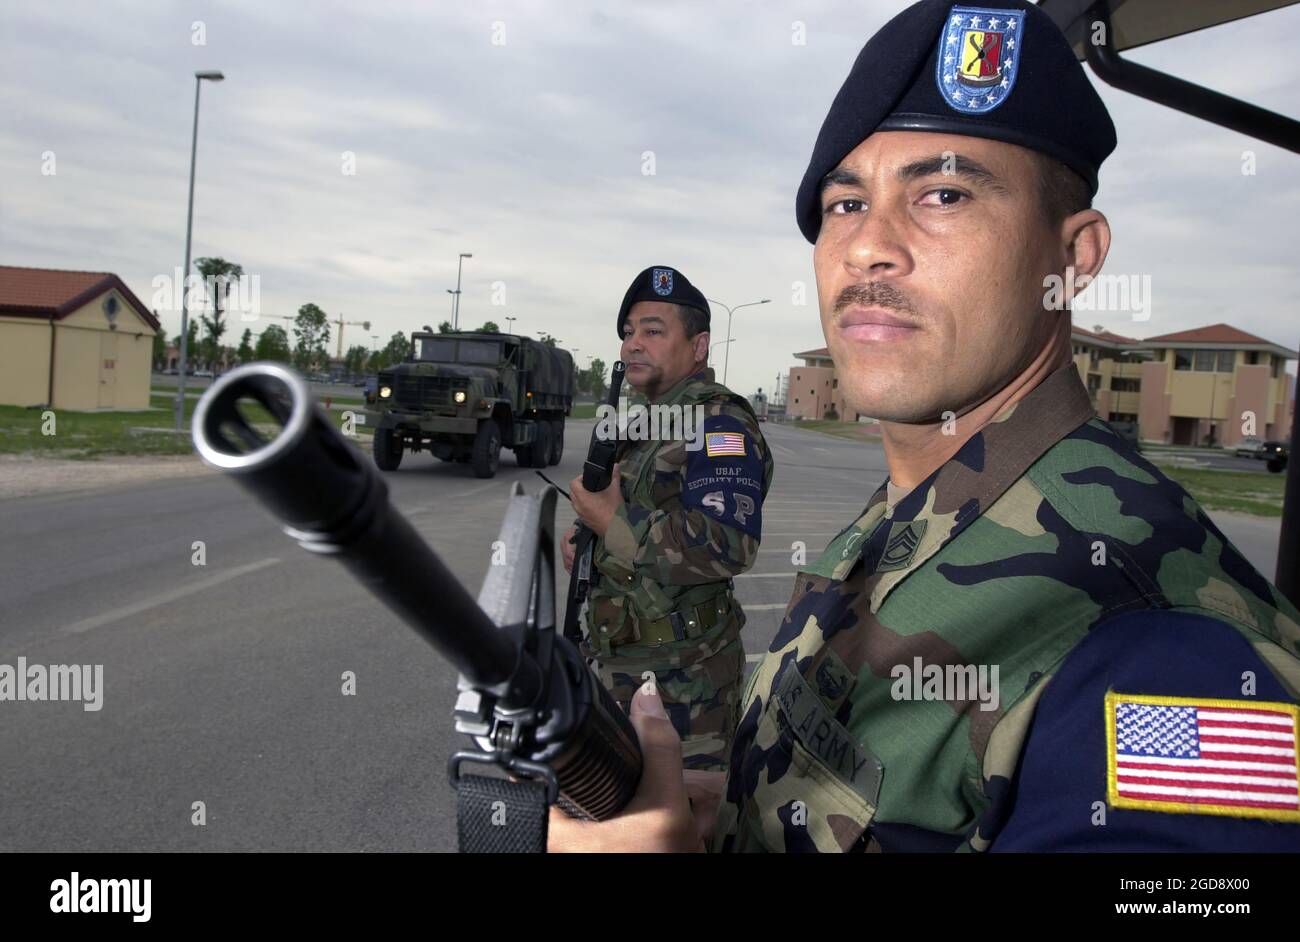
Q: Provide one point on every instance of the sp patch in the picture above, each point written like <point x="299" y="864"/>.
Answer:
<point x="1188" y="755"/>
<point x="725" y="478"/>
<point x="979" y="57"/>
<point x="661" y="279"/>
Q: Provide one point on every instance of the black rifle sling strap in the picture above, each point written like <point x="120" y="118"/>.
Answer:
<point x="498" y="816"/>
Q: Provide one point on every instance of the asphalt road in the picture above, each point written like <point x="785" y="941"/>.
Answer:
<point x="222" y="683"/>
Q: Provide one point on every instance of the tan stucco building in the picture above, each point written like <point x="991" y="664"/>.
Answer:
<point x="1210" y="385"/>
<point x="73" y="340"/>
<point x="813" y="390"/>
<point x="1215" y="385"/>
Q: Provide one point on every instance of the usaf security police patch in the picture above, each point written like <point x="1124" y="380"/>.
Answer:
<point x="661" y="279"/>
<point x="725" y="478"/>
<point x="1190" y="755"/>
<point x="979" y="57"/>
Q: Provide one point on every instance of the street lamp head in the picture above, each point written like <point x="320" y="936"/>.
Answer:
<point x="466" y="255"/>
<point x="211" y="76"/>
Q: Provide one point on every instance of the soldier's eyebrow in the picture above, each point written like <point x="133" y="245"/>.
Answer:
<point x="644" y="320"/>
<point x="952" y="165"/>
<point x="840" y="176"/>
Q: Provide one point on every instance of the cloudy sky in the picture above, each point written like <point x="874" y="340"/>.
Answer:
<point x="518" y="132"/>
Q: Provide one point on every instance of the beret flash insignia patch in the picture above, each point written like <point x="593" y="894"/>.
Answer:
<point x="978" y="57"/>
<point x="661" y="279"/>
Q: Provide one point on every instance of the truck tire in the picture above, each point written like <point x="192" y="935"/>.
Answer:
<point x="557" y="441"/>
<point x="388" y="449"/>
<point x="487" y="450"/>
<point x="541" y="447"/>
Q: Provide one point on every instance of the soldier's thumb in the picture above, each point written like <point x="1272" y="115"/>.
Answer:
<point x="661" y="747"/>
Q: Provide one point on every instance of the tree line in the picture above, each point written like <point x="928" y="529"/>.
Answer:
<point x="308" y="350"/>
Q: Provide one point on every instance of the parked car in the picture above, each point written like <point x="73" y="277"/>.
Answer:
<point x="1277" y="454"/>
<point x="1250" y="447"/>
<point x="1262" y="449"/>
<point x="1127" y="431"/>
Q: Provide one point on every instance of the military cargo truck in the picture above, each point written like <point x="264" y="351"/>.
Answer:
<point x="465" y="396"/>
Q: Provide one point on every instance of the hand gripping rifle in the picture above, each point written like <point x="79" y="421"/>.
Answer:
<point x="596" y="475"/>
<point x="530" y="704"/>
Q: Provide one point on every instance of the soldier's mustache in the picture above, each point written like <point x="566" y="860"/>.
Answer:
<point x="874" y="294"/>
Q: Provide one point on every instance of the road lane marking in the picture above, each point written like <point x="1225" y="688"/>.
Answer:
<point x="163" y="598"/>
<point x="765" y="607"/>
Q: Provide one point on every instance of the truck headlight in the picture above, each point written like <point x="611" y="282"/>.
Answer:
<point x="459" y="396"/>
<point x="385" y="392"/>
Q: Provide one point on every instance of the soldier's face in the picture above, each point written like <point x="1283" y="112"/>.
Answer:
<point x="656" y="350"/>
<point x="930" y="265"/>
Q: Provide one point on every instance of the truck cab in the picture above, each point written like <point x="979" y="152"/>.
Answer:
<point x="465" y="396"/>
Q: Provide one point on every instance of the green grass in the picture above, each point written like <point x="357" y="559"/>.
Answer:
<point x="96" y="434"/>
<point x="856" y="431"/>
<point x="583" y="410"/>
<point x="1246" y="492"/>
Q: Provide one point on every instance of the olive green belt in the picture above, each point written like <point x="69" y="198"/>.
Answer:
<point x="683" y="625"/>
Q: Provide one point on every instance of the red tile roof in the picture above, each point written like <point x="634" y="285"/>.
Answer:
<point x="1103" y="335"/>
<point x="820" y="352"/>
<point x="53" y="292"/>
<point x="1215" y="333"/>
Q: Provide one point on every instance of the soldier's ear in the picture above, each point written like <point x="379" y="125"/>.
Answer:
<point x="700" y="346"/>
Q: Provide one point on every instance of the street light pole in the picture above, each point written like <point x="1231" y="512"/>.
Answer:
<point x="719" y="343"/>
<point x="189" y="229"/>
<point x="730" y="311"/>
<point x="455" y="314"/>
<point x="510" y="324"/>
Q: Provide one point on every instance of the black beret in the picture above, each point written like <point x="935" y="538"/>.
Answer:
<point x="661" y="283"/>
<point x="998" y="69"/>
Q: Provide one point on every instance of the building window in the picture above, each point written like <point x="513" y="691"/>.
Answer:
<point x="1119" y="384"/>
<point x="1204" y="362"/>
<point x="835" y="383"/>
<point x="1182" y="359"/>
<point x="796" y="400"/>
<point x="1226" y="360"/>
<point x="1252" y="358"/>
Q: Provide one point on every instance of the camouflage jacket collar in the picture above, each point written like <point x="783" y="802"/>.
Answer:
<point x="687" y="389"/>
<point x="897" y="541"/>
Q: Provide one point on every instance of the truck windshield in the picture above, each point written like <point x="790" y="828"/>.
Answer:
<point x="479" y="351"/>
<point x="436" y="350"/>
<point x="444" y="350"/>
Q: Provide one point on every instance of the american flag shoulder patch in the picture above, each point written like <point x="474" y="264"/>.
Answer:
<point x="724" y="443"/>
<point x="1191" y="755"/>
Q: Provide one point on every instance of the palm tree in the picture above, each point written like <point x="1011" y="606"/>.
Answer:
<point x="223" y="272"/>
